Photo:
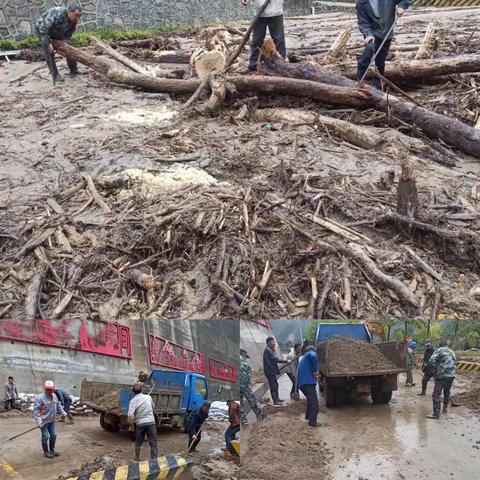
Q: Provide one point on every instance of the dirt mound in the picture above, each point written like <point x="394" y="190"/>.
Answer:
<point x="12" y="414"/>
<point x="216" y="467"/>
<point x="294" y="408"/>
<point x="355" y="356"/>
<point x="98" y="463"/>
<point x="289" y="449"/>
<point x="470" y="398"/>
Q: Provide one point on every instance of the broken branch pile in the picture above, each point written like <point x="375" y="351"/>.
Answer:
<point x="227" y="252"/>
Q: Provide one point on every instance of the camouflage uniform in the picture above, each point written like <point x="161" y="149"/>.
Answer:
<point x="246" y="391"/>
<point x="443" y="363"/>
<point x="54" y="24"/>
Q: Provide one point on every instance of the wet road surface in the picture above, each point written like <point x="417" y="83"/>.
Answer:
<point x="85" y="440"/>
<point x="397" y="441"/>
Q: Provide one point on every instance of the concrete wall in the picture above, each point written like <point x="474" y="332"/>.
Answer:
<point x="18" y="16"/>
<point x="252" y="339"/>
<point x="32" y="364"/>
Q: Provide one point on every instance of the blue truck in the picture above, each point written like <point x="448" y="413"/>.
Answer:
<point x="338" y="385"/>
<point x="174" y="393"/>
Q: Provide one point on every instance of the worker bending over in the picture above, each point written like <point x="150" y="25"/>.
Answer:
<point x="375" y="21"/>
<point x="272" y="18"/>
<point x="140" y="412"/>
<point x="58" y="23"/>
<point x="194" y="424"/>
<point x="443" y="362"/>
<point x="45" y="411"/>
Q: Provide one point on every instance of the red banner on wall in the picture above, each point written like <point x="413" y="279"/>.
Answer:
<point x="107" y="338"/>
<point x="168" y="354"/>
<point x="222" y="370"/>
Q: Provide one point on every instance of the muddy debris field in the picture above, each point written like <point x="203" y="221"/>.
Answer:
<point x="116" y="202"/>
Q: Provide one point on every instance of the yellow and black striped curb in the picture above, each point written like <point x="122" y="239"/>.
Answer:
<point x="171" y="467"/>
<point x="7" y="472"/>
<point x="468" y="366"/>
<point x="446" y="3"/>
<point x="463" y="366"/>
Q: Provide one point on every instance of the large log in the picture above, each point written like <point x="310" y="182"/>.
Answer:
<point x="301" y="88"/>
<point x="422" y="70"/>
<point x="434" y="125"/>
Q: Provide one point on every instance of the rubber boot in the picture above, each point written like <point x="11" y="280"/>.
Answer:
<point x="46" y="453"/>
<point x="137" y="454"/>
<point x="52" y="447"/>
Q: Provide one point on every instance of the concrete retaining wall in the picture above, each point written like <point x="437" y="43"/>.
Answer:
<point x="252" y="339"/>
<point x="18" y="16"/>
<point x="31" y="364"/>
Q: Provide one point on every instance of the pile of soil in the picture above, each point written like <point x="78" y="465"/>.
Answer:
<point x="295" y="408"/>
<point x="284" y="446"/>
<point x="110" y="401"/>
<point x="470" y="398"/>
<point x="12" y="414"/>
<point x="95" y="465"/>
<point x="216" y="467"/>
<point x="355" y="356"/>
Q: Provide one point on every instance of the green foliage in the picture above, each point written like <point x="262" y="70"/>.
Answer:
<point x="310" y="332"/>
<point x="82" y="39"/>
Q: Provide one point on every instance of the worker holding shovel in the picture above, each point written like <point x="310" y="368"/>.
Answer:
<point x="376" y="21"/>
<point x="45" y="411"/>
<point x="194" y="424"/>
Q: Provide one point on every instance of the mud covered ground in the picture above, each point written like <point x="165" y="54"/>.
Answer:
<point x="469" y="398"/>
<point x="85" y="448"/>
<point x="362" y="441"/>
<point x="227" y="231"/>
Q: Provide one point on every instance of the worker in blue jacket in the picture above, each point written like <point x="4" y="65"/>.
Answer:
<point x="375" y="20"/>
<point x="307" y="377"/>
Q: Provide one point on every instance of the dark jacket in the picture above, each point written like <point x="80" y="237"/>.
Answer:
<point x="62" y="396"/>
<point x="195" y="421"/>
<point x="270" y="363"/>
<point x="378" y="26"/>
<point x="426" y="359"/>
<point x="54" y="24"/>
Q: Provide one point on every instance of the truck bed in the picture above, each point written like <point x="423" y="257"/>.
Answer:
<point x="393" y="353"/>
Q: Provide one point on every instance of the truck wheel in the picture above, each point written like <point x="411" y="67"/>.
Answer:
<point x="107" y="423"/>
<point x="329" y="395"/>
<point x="380" y="398"/>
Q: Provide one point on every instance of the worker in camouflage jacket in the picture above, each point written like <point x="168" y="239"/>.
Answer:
<point x="443" y="362"/>
<point x="246" y="392"/>
<point x="375" y="20"/>
<point x="58" y="23"/>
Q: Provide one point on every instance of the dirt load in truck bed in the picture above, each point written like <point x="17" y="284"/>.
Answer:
<point x="355" y="356"/>
<point x="109" y="402"/>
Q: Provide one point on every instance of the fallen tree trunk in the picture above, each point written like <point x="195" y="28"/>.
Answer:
<point x="119" y="56"/>
<point x="365" y="137"/>
<point x="301" y="88"/>
<point x="434" y="125"/>
<point x="425" y="69"/>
